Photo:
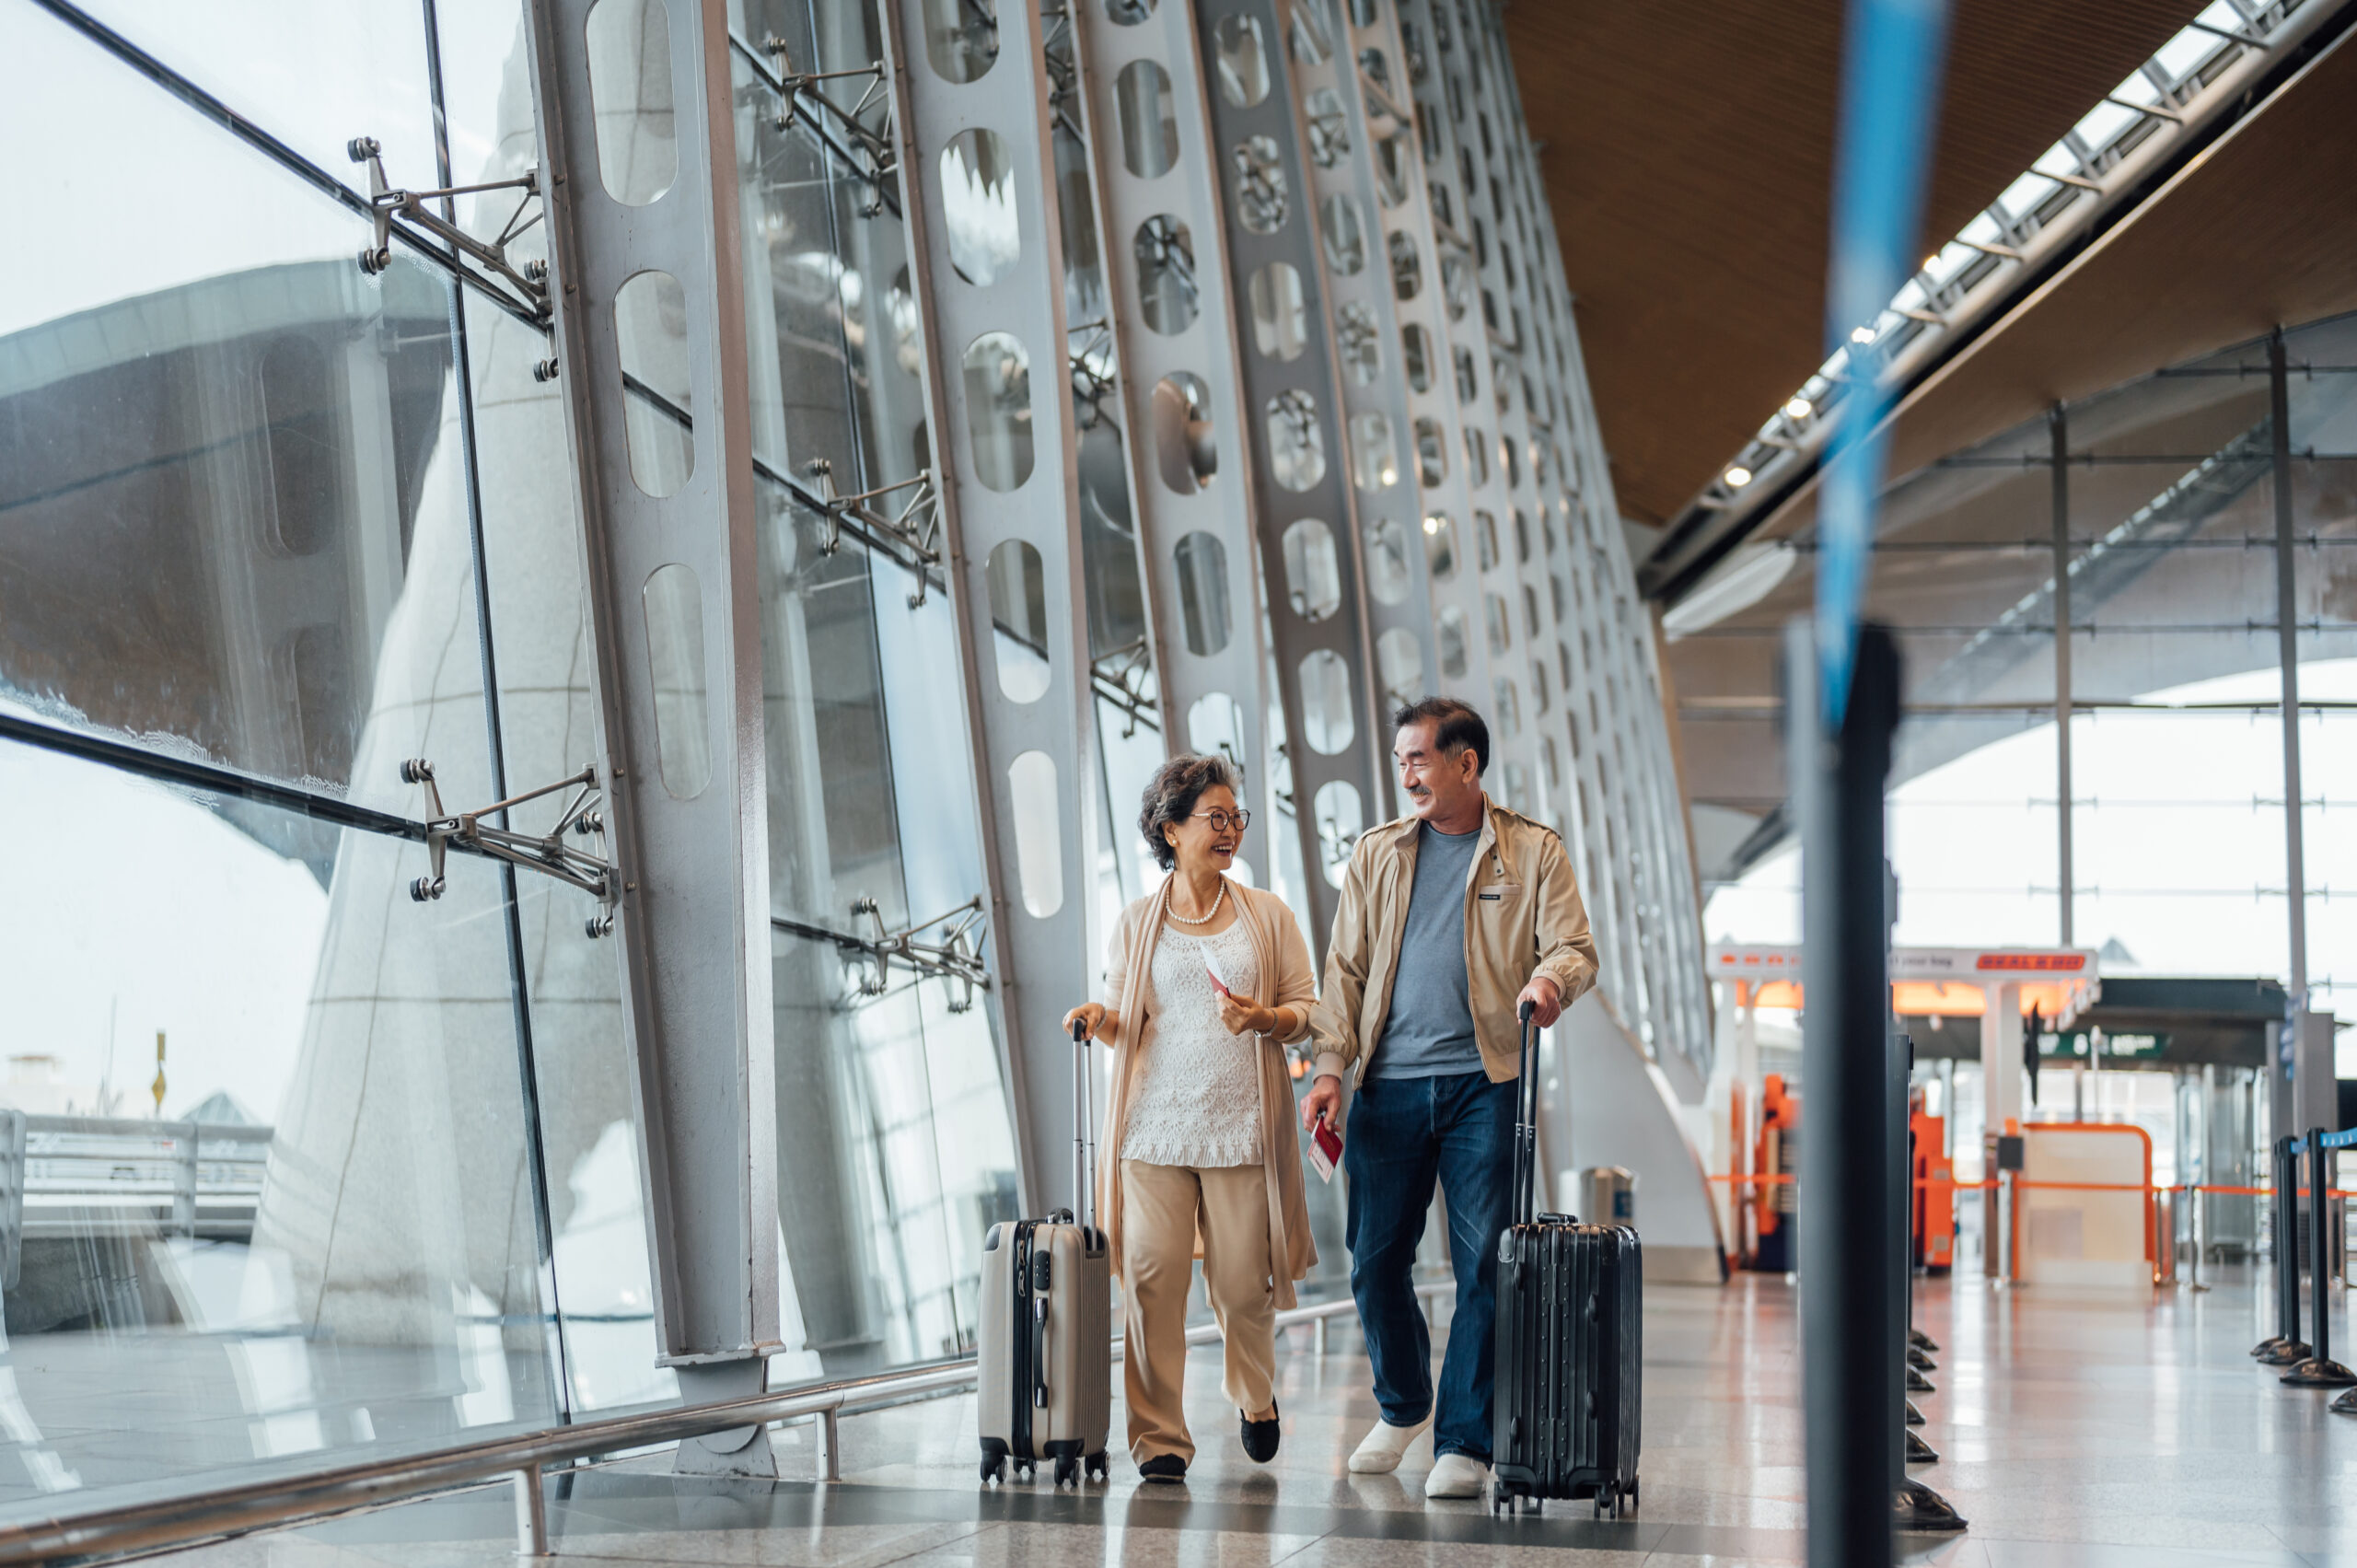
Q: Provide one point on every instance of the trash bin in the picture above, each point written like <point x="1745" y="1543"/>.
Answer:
<point x="1605" y="1194"/>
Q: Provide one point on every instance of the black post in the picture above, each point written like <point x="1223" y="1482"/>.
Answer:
<point x="1848" y="1349"/>
<point x="1916" y="1507"/>
<point x="2319" y="1370"/>
<point x="2286" y="1349"/>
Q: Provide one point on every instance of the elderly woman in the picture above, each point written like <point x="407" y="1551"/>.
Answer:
<point x="1207" y="981"/>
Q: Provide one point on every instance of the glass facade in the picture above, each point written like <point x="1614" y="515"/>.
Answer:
<point x="295" y="1166"/>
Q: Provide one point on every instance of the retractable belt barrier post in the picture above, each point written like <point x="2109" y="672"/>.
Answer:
<point x="2317" y="1370"/>
<point x="2284" y="1349"/>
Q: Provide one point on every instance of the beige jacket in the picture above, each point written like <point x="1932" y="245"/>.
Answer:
<point x="1287" y="979"/>
<point x="1523" y="917"/>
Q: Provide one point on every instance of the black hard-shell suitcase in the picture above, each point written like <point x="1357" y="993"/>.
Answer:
<point x="1570" y="1342"/>
<point x="1044" y="1368"/>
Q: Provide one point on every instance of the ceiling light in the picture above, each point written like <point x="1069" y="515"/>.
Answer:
<point x="1799" y="408"/>
<point x="1862" y="334"/>
<point x="1737" y="477"/>
<point x="1432" y="524"/>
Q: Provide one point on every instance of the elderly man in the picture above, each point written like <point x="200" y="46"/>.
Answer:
<point x="1451" y="917"/>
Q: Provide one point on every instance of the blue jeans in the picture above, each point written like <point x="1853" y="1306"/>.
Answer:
<point x="1403" y="1133"/>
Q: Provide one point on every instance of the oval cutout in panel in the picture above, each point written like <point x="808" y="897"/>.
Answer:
<point x="1297" y="442"/>
<point x="1400" y="662"/>
<point x="1166" y="257"/>
<point x="1018" y="587"/>
<point x="1507" y="707"/>
<point x="998" y="410"/>
<point x="1432" y="453"/>
<point x="1149" y="119"/>
<point x="1407" y="266"/>
<point x="1500" y="623"/>
<point x="1327" y="723"/>
<point x="1186" y="447"/>
<point x="1358" y="343"/>
<point x="1375" y="456"/>
<point x="1342" y="233"/>
<point x="1340" y="821"/>
<point x="1280" y="312"/>
<point x="1039" y="832"/>
<point x="1216" y="728"/>
<point x="1387" y="563"/>
<point x="978" y="214"/>
<point x="961" y="38"/>
<point x="1330" y="127"/>
<point x="1313" y="570"/>
<point x="1202" y="560"/>
<point x="1261" y="198"/>
<point x="674" y="603"/>
<point x="1416" y="354"/>
<point x="1449" y="638"/>
<point x="1243" y="63"/>
<point x="1128" y="13"/>
<point x="1395" y="166"/>
<point x="1485" y="541"/>
<point x="1441" y="552"/>
<point x="630" y="96"/>
<point x="651" y="339"/>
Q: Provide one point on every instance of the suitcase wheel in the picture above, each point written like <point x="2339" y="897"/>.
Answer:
<point x="1067" y="1471"/>
<point x="993" y="1468"/>
<point x="1097" y="1469"/>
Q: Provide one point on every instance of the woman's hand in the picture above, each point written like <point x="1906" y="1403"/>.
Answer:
<point x="1244" y="1016"/>
<point x="1089" y="1013"/>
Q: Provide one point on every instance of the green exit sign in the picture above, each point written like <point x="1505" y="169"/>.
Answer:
<point x="2077" y="1045"/>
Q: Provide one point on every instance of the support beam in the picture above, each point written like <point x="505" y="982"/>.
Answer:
<point x="2287" y="645"/>
<point x="647" y="285"/>
<point x="1174" y="326"/>
<point x="2066" y="875"/>
<point x="971" y="114"/>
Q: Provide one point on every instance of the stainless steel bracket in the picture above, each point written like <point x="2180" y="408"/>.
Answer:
<point x="526" y="288"/>
<point x="953" y="954"/>
<point x="914" y="529"/>
<point x="548" y="853"/>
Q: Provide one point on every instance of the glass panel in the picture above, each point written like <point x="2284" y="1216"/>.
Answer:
<point x="1243" y="65"/>
<point x="1327" y="722"/>
<point x="1330" y="127"/>
<point x="675" y="663"/>
<point x="1374" y="456"/>
<point x="1313" y="573"/>
<point x="1395" y="163"/>
<point x="998" y="410"/>
<point x="235" y="516"/>
<point x="1039" y="831"/>
<point x="1407" y="265"/>
<point x="1340" y="818"/>
<point x="1359" y="343"/>
<point x="1449" y="635"/>
<point x="1215" y="727"/>
<point x="1400" y="663"/>
<point x="1507" y="708"/>
<point x="1296" y="443"/>
<point x="1018" y="587"/>
<point x="985" y="231"/>
<point x="961" y="38"/>
<point x="337" y="1066"/>
<point x="1416" y="354"/>
<point x="1260" y="193"/>
<point x="1387" y="561"/>
<point x="1165" y="255"/>
<point x="1485" y="540"/>
<point x="1343" y="231"/>
<point x="1186" y="447"/>
<point x="630" y="87"/>
<point x="1500" y="622"/>
<point x="1441" y="553"/>
<point x="651" y="331"/>
<point x="1202" y="560"/>
<point x="1149" y="119"/>
<point x="1432" y="453"/>
<point x="1280" y="315"/>
<point x="1476" y="457"/>
<point x="1469" y="377"/>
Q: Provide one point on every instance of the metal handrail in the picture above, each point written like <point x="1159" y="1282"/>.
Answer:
<point x="222" y="1514"/>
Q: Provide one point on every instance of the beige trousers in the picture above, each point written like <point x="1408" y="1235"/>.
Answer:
<point x="1162" y="1205"/>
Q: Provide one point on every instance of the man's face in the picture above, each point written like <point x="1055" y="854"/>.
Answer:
<point x="1434" y="781"/>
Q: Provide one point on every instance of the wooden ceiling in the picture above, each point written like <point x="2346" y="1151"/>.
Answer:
<point x="1688" y="157"/>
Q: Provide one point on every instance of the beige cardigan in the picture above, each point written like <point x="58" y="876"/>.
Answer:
<point x="1280" y="955"/>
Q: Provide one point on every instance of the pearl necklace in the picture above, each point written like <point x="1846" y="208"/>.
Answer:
<point x="1205" y="919"/>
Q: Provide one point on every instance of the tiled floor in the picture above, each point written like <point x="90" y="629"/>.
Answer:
<point x="2077" y="1429"/>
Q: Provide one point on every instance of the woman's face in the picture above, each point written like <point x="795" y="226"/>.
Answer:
<point x="1202" y="844"/>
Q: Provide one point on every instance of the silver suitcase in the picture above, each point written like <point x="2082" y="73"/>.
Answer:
<point x="1045" y="1381"/>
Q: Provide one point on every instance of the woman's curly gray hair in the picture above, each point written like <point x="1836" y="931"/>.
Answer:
<point x="1172" y="794"/>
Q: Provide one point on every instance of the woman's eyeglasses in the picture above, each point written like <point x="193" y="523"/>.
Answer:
<point x="1221" y="822"/>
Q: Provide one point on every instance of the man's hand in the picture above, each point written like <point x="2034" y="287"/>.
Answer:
<point x="1546" y="1001"/>
<point x="1090" y="1013"/>
<point x="1324" y="1099"/>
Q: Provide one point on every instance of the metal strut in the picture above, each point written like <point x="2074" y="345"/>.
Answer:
<point x="953" y="954"/>
<point x="916" y="528"/>
<point x="882" y="170"/>
<point x="547" y="854"/>
<point x="529" y="287"/>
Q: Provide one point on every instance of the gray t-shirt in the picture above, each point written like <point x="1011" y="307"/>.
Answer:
<point x="1430" y="1030"/>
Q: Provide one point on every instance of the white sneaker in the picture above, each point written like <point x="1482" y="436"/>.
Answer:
<point x="1454" y="1475"/>
<point x="1378" y="1453"/>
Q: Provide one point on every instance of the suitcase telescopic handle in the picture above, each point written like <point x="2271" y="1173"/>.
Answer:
<point x="1083" y="1111"/>
<point x="1526" y="1124"/>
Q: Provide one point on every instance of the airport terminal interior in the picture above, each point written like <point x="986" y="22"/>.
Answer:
<point x="589" y="590"/>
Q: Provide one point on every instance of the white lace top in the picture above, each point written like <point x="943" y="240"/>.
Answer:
<point x="1198" y="1097"/>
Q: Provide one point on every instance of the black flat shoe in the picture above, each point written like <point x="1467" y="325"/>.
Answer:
<point x="1165" y="1468"/>
<point x="1260" y="1436"/>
